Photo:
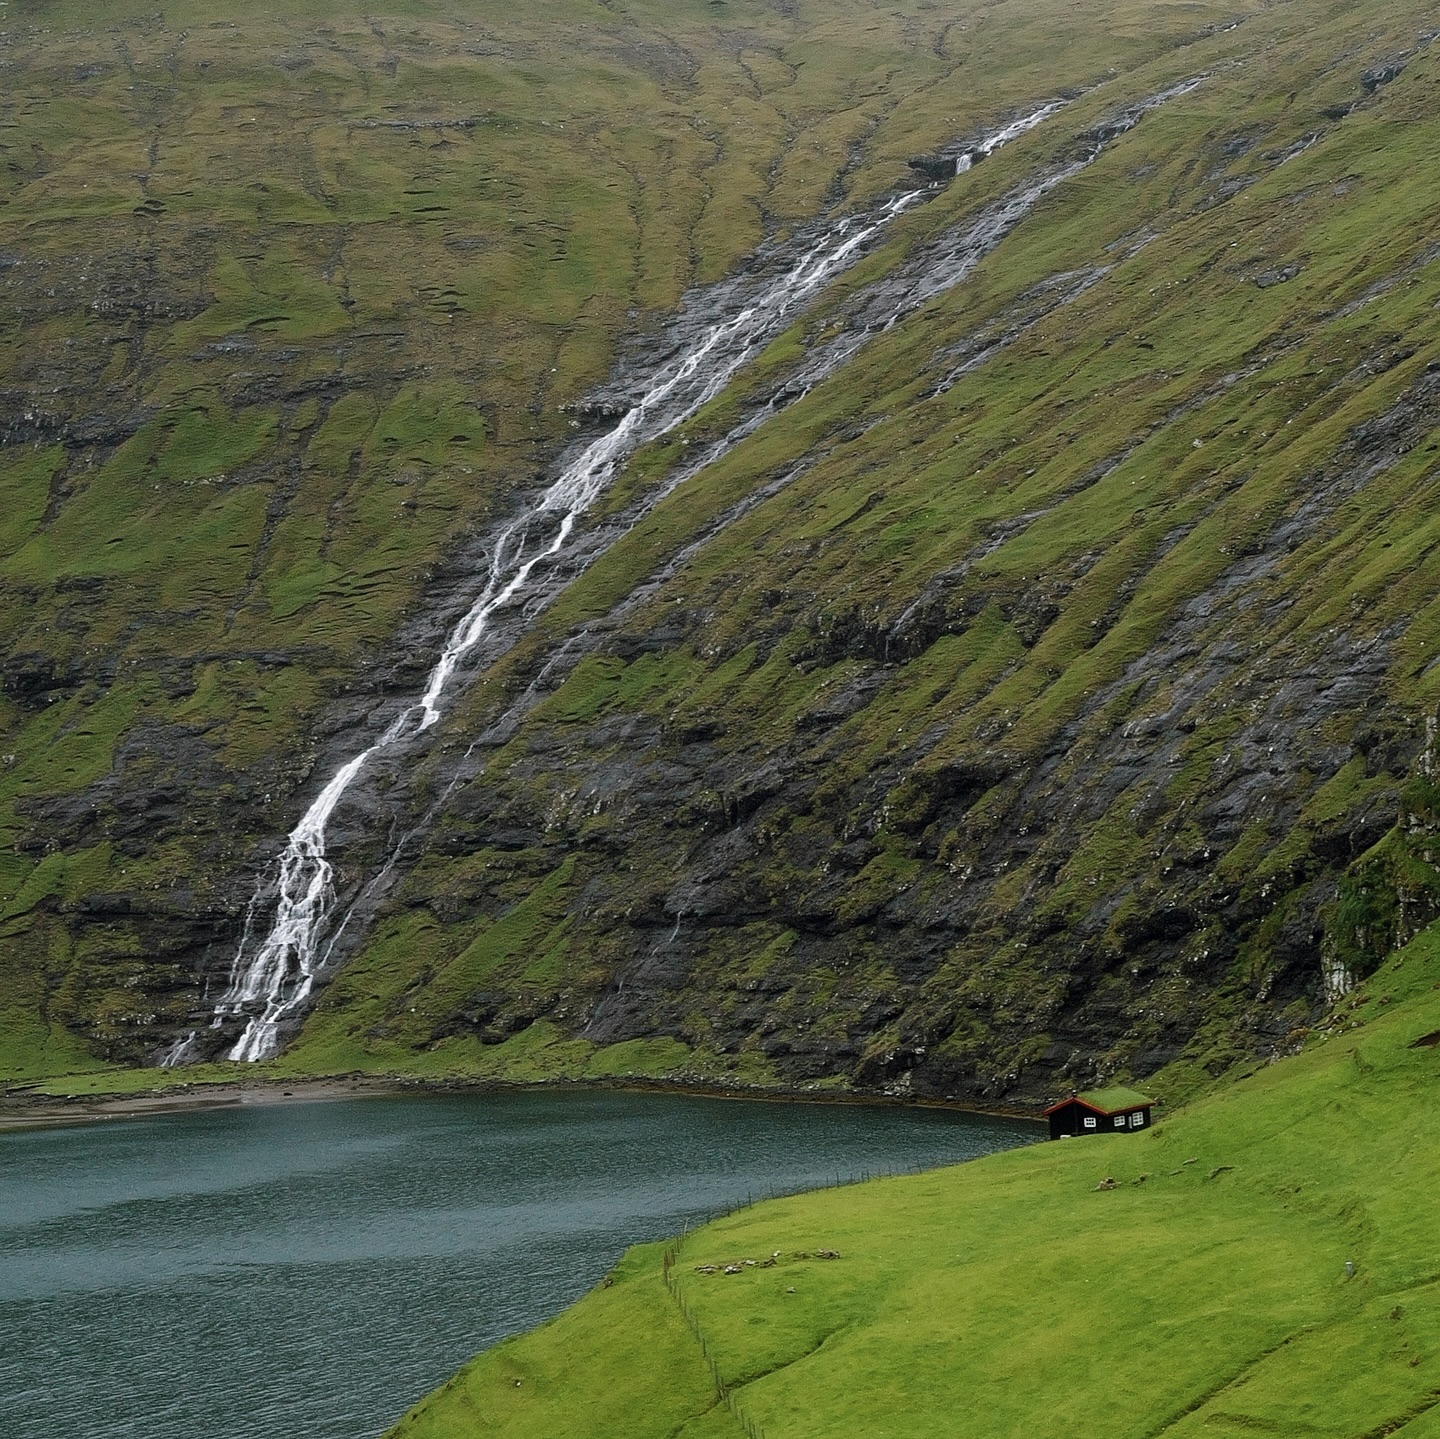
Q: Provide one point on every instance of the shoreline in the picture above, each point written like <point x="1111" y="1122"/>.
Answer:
<point x="20" y="1110"/>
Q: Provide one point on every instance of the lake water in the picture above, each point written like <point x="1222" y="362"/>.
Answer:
<point x="309" y="1270"/>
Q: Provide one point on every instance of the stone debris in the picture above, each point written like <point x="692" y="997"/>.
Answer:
<point x="1380" y="75"/>
<point x="739" y="1266"/>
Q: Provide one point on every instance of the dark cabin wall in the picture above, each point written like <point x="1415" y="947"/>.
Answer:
<point x="1070" y="1120"/>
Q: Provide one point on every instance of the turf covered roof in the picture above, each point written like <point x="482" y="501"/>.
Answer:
<point x="1107" y="1101"/>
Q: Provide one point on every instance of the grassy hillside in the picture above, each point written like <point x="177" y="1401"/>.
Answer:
<point x="1265" y="1262"/>
<point x="288" y="307"/>
<point x="1042" y="698"/>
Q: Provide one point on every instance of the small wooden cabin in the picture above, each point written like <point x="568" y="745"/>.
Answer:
<point x="1099" y="1111"/>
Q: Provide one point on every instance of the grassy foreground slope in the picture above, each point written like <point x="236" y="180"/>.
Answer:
<point x="289" y="303"/>
<point x="1205" y="1294"/>
<point x="1050" y="694"/>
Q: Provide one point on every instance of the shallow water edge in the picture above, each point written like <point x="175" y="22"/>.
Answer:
<point x="266" y="1264"/>
<point x="24" y="1106"/>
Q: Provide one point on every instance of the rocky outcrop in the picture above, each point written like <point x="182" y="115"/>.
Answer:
<point x="1017" y="677"/>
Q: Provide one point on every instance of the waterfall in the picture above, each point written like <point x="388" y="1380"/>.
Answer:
<point x="285" y="944"/>
<point x="275" y="971"/>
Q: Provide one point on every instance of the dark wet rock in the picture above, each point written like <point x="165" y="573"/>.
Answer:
<point x="1280" y="275"/>
<point x="937" y="168"/>
<point x="601" y="409"/>
<point x="34" y="678"/>
<point x="1382" y="74"/>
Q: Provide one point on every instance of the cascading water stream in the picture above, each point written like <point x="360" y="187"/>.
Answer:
<point x="988" y="146"/>
<point x="276" y="972"/>
<point x="279" y="970"/>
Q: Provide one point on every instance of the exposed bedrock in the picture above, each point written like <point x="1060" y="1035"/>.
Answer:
<point x="1021" y="674"/>
<point x="1171" y="870"/>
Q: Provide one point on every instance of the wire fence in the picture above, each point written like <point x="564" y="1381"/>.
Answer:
<point x="723" y="1392"/>
<point x="835" y="1181"/>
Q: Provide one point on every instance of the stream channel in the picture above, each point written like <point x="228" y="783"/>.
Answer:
<point x="309" y="1270"/>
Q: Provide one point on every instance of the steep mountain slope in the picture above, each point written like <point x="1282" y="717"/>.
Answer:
<point x="1051" y="710"/>
<point x="289" y="307"/>
<point x="1041" y="696"/>
<point x="1263" y="1262"/>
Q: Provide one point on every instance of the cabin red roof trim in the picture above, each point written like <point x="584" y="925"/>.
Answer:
<point x="1095" y="1108"/>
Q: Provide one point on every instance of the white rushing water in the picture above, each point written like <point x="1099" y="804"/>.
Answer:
<point x="991" y="143"/>
<point x="277" y="964"/>
<point x="276" y="971"/>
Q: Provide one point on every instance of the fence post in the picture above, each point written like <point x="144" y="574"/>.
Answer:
<point x="722" y="1390"/>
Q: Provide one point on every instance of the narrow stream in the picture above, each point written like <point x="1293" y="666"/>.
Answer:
<point x="289" y="933"/>
<point x="278" y="962"/>
<point x="308" y="1271"/>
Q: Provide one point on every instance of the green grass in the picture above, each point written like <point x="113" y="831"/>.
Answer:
<point x="309" y="288"/>
<point x="1205" y="1293"/>
<point x="655" y="1381"/>
<point x="1129" y="451"/>
<point x="330" y="333"/>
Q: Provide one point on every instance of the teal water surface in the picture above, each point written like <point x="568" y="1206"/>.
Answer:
<point x="309" y="1270"/>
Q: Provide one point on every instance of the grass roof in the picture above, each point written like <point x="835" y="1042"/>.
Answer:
<point x="1109" y="1100"/>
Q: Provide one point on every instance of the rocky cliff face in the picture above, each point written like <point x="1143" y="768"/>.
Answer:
<point x="1040" y="696"/>
<point x="870" y="882"/>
